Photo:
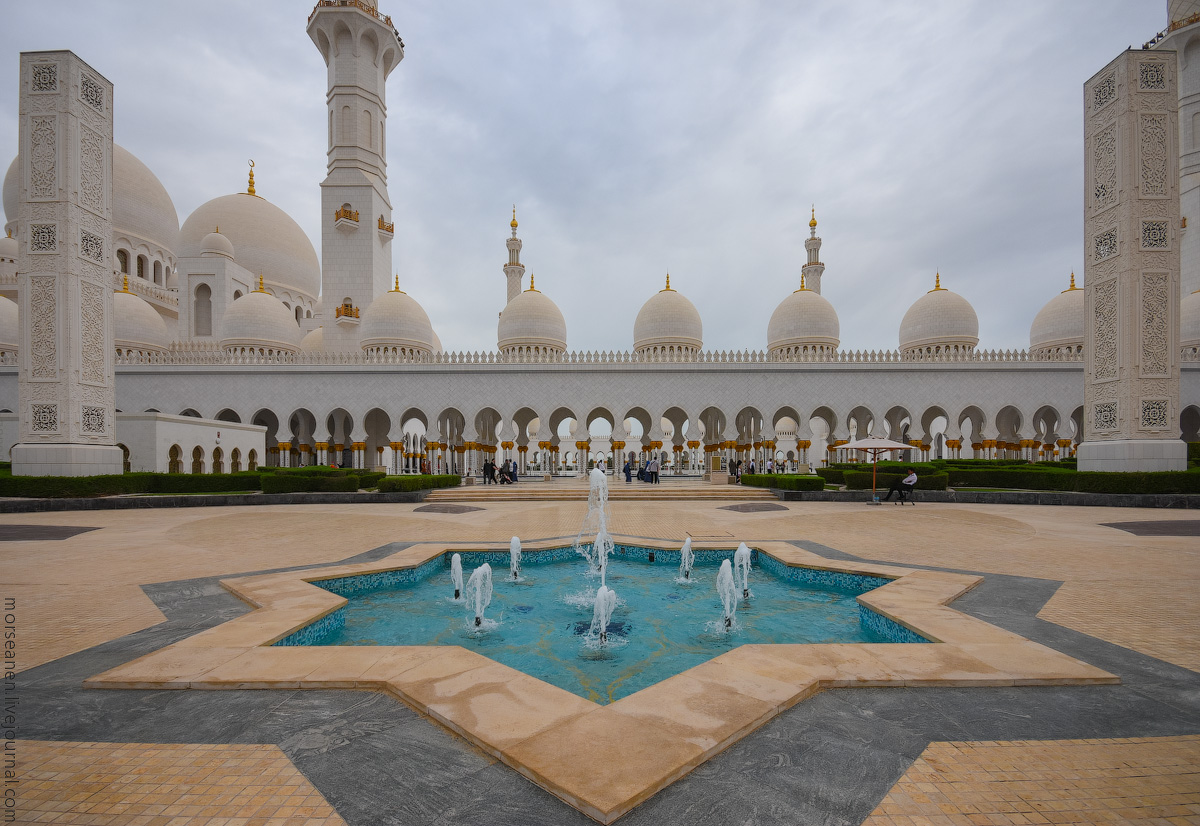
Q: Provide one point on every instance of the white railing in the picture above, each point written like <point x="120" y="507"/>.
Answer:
<point x="211" y="353"/>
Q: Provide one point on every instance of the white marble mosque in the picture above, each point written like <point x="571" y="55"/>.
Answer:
<point x="233" y="323"/>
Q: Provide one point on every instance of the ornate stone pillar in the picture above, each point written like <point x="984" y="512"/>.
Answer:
<point x="66" y="390"/>
<point x="1131" y="266"/>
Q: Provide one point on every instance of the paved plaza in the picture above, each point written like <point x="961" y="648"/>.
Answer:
<point x="1112" y="588"/>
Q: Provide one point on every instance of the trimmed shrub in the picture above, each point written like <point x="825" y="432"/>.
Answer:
<point x="61" y="487"/>
<point x="390" y="484"/>
<point x="783" y="481"/>
<point x="307" y="470"/>
<point x="832" y="475"/>
<point x="861" y="480"/>
<point x="1028" y="477"/>
<point x="1193" y="453"/>
<point x="310" y="483"/>
<point x="1160" y="482"/>
<point x="370" y="479"/>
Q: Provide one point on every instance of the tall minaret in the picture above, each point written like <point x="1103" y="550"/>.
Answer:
<point x="514" y="270"/>
<point x="812" y="271"/>
<point x="360" y="49"/>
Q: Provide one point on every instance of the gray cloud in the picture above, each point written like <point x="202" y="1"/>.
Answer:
<point x="637" y="137"/>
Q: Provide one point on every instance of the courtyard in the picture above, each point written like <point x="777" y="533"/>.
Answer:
<point x="93" y="591"/>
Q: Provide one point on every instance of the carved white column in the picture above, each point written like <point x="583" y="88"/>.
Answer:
<point x="1131" y="263"/>
<point x="65" y="385"/>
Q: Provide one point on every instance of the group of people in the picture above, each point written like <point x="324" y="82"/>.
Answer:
<point x="506" y="475"/>
<point x="646" y="473"/>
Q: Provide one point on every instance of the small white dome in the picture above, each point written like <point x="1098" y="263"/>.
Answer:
<point x="437" y="342"/>
<point x="9" y="331"/>
<point x="1060" y="324"/>
<point x="939" y="321"/>
<point x="395" y="319"/>
<point x="803" y="319"/>
<point x="8" y="248"/>
<point x="266" y="239"/>
<point x="1189" y="320"/>
<point x="259" y="320"/>
<point x="216" y="244"/>
<point x="668" y="320"/>
<point x="531" y="320"/>
<point x="313" y="341"/>
<point x="136" y="325"/>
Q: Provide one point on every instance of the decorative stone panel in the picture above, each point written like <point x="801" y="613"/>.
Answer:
<point x="93" y="352"/>
<point x="91" y="92"/>
<point x="91" y="170"/>
<point x="1104" y="416"/>
<point x="43" y="158"/>
<point x="1105" y="244"/>
<point x="43" y="238"/>
<point x="1105" y="329"/>
<point x="1155" y="414"/>
<point x="93" y="419"/>
<point x="91" y="246"/>
<point x="1152" y="77"/>
<point x="44" y="418"/>
<point x="1153" y="145"/>
<point x="1155" y="304"/>
<point x="1104" y="92"/>
<point x="1104" y="168"/>
<point x="1155" y="235"/>
<point x="43" y="327"/>
<point x="43" y="77"/>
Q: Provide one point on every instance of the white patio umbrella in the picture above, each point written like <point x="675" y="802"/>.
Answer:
<point x="874" y="447"/>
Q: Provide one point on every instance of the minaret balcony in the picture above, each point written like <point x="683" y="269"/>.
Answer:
<point x="346" y="219"/>
<point x="346" y="315"/>
<point x="386" y="230"/>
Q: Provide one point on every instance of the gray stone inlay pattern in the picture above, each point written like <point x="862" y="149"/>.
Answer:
<point x="1168" y="527"/>
<point x="35" y="533"/>
<point x="828" y="760"/>
<point x="446" y="508"/>
<point x="753" y="507"/>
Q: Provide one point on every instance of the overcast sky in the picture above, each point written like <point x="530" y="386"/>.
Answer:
<point x="637" y="137"/>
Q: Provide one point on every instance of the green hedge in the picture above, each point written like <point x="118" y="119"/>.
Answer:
<point x="370" y="478"/>
<point x="783" y="481"/>
<point x="60" y="487"/>
<point x="1193" y="451"/>
<point x="1038" y="477"/>
<point x="832" y="475"/>
<point x="310" y="483"/>
<point x="389" y="484"/>
<point x="306" y="470"/>
<point x="861" y="480"/>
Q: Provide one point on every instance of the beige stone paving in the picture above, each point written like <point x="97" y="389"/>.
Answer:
<point x="1130" y="590"/>
<point x="141" y="784"/>
<point x="1142" y="780"/>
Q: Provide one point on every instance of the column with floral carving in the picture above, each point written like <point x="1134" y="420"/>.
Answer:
<point x="65" y="387"/>
<point x="1131" y="264"/>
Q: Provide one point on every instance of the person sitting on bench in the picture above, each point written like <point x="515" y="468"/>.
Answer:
<point x="904" y="487"/>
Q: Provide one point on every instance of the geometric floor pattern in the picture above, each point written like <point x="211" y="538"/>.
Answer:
<point x="1116" y="753"/>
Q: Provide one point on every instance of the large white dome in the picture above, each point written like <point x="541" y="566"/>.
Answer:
<point x="805" y="321"/>
<point x="142" y="211"/>
<point x="268" y="242"/>
<point x="10" y="332"/>
<point x="258" y="320"/>
<point x="941" y="321"/>
<point x="396" y="320"/>
<point x="1189" y="320"/>
<point x="531" y="321"/>
<point x="668" y="321"/>
<point x="137" y="326"/>
<point x="1058" y="327"/>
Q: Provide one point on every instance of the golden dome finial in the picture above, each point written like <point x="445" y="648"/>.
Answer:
<point x="802" y="286"/>
<point x="1072" y="287"/>
<point x="9" y="231"/>
<point x="217" y="230"/>
<point x="250" y="186"/>
<point x="668" y="287"/>
<point x="813" y="222"/>
<point x="514" y="220"/>
<point x="261" y="288"/>
<point x="532" y="289"/>
<point x="937" y="283"/>
<point x="125" y="289"/>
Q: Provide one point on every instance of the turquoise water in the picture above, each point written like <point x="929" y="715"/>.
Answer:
<point x="661" y="626"/>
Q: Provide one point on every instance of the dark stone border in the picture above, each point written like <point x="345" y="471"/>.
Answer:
<point x="1014" y="497"/>
<point x="203" y="500"/>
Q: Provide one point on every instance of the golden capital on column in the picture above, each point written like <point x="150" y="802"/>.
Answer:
<point x="322" y="445"/>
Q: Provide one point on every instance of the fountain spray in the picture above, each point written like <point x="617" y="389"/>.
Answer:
<point x="514" y="557"/>
<point x="727" y="591"/>
<point x="686" y="559"/>
<point x="456" y="575"/>
<point x="606" y="601"/>
<point x="741" y="559"/>
<point x="479" y="591"/>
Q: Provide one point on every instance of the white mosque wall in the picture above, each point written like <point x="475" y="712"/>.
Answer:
<point x="151" y="437"/>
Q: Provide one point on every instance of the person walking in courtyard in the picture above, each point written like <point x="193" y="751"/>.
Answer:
<point x="903" y="487"/>
<point x="628" y="471"/>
